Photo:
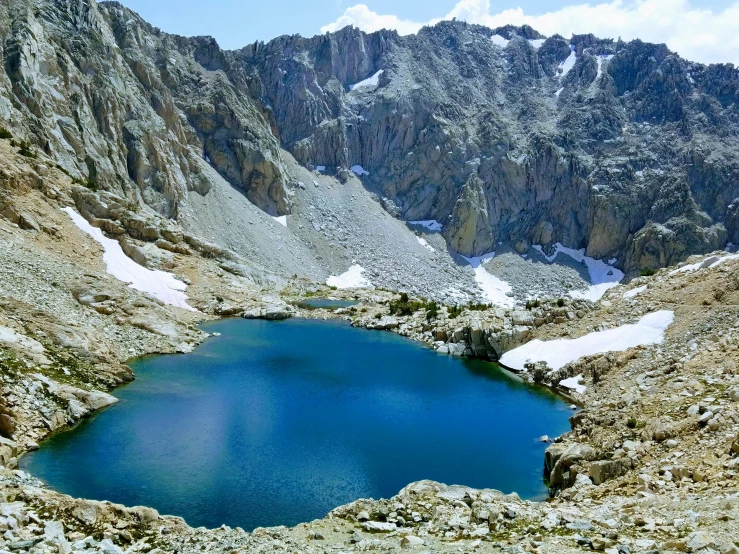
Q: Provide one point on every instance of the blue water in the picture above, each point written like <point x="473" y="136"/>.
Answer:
<point x="276" y="423"/>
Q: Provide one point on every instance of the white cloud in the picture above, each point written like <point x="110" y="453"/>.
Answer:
<point x="362" y="17"/>
<point x="697" y="34"/>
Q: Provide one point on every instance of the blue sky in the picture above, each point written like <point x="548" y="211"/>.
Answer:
<point x="700" y="30"/>
<point x="235" y="23"/>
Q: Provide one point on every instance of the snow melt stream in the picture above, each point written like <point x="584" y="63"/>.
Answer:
<point x="650" y="329"/>
<point x="159" y="284"/>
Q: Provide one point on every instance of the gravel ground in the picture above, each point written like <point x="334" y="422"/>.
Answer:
<point x="534" y="276"/>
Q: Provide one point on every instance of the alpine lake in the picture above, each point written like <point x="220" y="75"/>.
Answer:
<point x="276" y="423"/>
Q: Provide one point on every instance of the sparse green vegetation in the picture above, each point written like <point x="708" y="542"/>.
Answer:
<point x="479" y="307"/>
<point x="405" y="306"/>
<point x="432" y="311"/>
<point x="25" y="149"/>
<point x="560" y="302"/>
<point x="91" y="184"/>
<point x="530" y="304"/>
<point x="648" y="272"/>
<point x="455" y="311"/>
<point x="5" y="134"/>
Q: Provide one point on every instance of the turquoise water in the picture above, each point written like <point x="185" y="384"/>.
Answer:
<point x="276" y="423"/>
<point x="315" y="303"/>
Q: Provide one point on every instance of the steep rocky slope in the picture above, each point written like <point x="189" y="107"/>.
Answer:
<point x="502" y="136"/>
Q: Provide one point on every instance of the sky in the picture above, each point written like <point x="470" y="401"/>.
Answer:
<point x="699" y="30"/>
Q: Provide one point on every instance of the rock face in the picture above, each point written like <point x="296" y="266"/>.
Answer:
<point x="630" y="154"/>
<point x="626" y="154"/>
<point x="120" y="105"/>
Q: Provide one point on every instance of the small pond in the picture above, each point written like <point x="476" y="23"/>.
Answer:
<point x="276" y="423"/>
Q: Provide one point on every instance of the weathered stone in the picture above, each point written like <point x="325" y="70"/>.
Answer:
<point x="604" y="470"/>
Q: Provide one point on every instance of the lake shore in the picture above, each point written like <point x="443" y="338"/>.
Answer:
<point x="647" y="505"/>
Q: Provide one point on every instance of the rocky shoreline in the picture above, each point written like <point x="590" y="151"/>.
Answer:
<point x="650" y="464"/>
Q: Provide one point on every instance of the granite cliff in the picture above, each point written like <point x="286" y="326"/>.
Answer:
<point x="501" y="135"/>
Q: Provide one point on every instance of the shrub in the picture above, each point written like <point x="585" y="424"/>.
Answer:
<point x="91" y="184"/>
<point x="648" y="272"/>
<point x="5" y="134"/>
<point x="24" y="149"/>
<point x="530" y="304"/>
<point x="560" y="302"/>
<point x="398" y="307"/>
<point x="433" y="311"/>
<point x="631" y="423"/>
<point x="27" y="152"/>
<point x="455" y="311"/>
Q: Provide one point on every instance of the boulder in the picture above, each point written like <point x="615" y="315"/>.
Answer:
<point x="379" y="526"/>
<point x="604" y="470"/>
<point x="560" y="476"/>
<point x="521" y="317"/>
<point x="409" y="541"/>
<point x="698" y="540"/>
<point x="735" y="446"/>
<point x="7" y="425"/>
<point x="271" y="311"/>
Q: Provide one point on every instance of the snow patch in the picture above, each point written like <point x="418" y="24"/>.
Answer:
<point x="422" y="241"/>
<point x="282" y="220"/>
<point x="320" y="168"/>
<point x="633" y="292"/>
<point x="713" y="261"/>
<point x="602" y="275"/>
<point x="359" y="170"/>
<point x="430" y="224"/>
<point x="352" y="278"/>
<point x="559" y="91"/>
<point x="493" y="288"/>
<point x="537" y="42"/>
<point x="372" y="81"/>
<point x="569" y="63"/>
<point x="573" y="383"/>
<point x="500" y="41"/>
<point x="159" y="284"/>
<point x="602" y="59"/>
<point x="650" y="329"/>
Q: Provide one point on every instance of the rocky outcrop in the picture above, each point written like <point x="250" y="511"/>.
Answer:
<point x="469" y="231"/>
<point x="122" y="106"/>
